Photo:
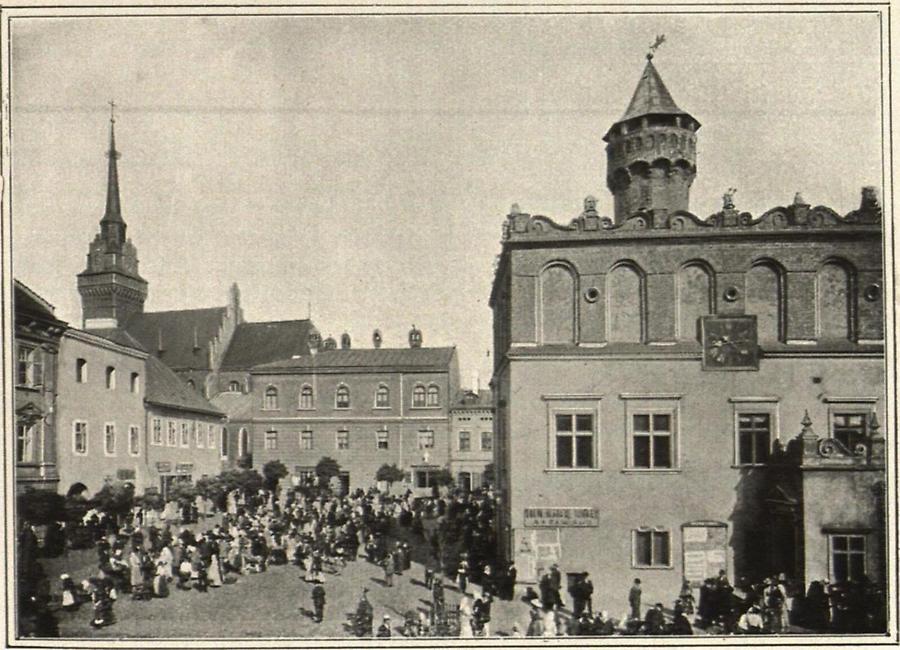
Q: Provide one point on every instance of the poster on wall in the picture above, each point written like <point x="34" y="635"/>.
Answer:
<point x="704" y="549"/>
<point x="536" y="550"/>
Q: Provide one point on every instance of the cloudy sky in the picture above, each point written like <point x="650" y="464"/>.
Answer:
<point x="366" y="164"/>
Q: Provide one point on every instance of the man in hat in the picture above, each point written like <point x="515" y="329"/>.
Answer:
<point x="384" y="630"/>
<point x="654" y="621"/>
<point x="634" y="599"/>
<point x="318" y="598"/>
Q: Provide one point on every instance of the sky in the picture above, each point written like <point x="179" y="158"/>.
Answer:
<point x="365" y="165"/>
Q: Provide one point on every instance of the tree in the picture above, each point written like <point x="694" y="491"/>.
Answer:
<point x="273" y="471"/>
<point x="245" y="461"/>
<point x="115" y="498"/>
<point x="41" y="506"/>
<point x="326" y="468"/>
<point x="390" y="474"/>
<point x="440" y="477"/>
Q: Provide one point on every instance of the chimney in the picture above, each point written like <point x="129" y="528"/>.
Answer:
<point x="345" y="341"/>
<point x="376" y="339"/>
<point x="159" y="342"/>
<point x="415" y="337"/>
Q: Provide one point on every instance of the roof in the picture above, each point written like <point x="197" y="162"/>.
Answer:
<point x="165" y="388"/>
<point x="117" y="335"/>
<point x="651" y="97"/>
<point x="467" y="398"/>
<point x="406" y="358"/>
<point x="256" y="343"/>
<point x="176" y="330"/>
<point x="28" y="299"/>
<point x="237" y="406"/>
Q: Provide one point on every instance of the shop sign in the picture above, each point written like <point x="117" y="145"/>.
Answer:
<point x="184" y="468"/>
<point x="125" y="474"/>
<point x="561" y="517"/>
<point x="164" y="467"/>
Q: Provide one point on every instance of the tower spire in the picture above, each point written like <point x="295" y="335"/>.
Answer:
<point x="113" y="206"/>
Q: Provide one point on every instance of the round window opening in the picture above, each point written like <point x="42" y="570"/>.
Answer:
<point x="872" y="292"/>
<point x="592" y="294"/>
<point x="731" y="294"/>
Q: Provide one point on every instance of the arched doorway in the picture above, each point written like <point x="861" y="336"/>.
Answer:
<point x="243" y="442"/>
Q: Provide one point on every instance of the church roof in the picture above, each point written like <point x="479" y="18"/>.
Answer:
<point x="27" y="299"/>
<point x="175" y="330"/>
<point x="437" y="359"/>
<point x="165" y="388"/>
<point x="257" y="343"/>
<point x="117" y="335"/>
<point x="651" y="97"/>
<point x="237" y="406"/>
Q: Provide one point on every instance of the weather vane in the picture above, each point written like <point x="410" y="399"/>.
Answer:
<point x="660" y="39"/>
<point x="112" y="111"/>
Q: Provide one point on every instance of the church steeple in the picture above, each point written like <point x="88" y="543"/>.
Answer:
<point x="651" y="150"/>
<point x="111" y="288"/>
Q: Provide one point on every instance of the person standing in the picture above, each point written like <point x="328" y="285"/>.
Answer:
<point x="388" y="564"/>
<point x="318" y="598"/>
<point x="384" y="630"/>
<point x="587" y="591"/>
<point x="634" y="599"/>
<point x="462" y="573"/>
<point x="364" y="615"/>
<point x="555" y="585"/>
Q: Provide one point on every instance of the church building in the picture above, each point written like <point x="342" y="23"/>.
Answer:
<point x="676" y="396"/>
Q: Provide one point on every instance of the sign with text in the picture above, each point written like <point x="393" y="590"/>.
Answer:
<point x="163" y="467"/>
<point x="184" y="468"/>
<point x="561" y="517"/>
<point x="704" y="546"/>
<point x="125" y="474"/>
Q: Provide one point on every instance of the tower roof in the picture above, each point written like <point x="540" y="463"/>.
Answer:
<point x="113" y="207"/>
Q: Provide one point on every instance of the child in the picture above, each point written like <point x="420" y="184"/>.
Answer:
<point x="161" y="580"/>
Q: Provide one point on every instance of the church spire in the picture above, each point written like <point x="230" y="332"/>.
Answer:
<point x="113" y="206"/>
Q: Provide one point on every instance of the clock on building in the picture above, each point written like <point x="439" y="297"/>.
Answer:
<point x="729" y="343"/>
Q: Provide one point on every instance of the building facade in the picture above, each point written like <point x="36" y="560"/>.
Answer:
<point x="102" y="436"/>
<point x="649" y="367"/>
<point x="362" y="407"/>
<point x="471" y="438"/>
<point x="36" y="351"/>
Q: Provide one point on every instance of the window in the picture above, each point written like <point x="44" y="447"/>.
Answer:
<point x="382" y="397"/>
<point x="134" y="440"/>
<point x="157" y="432"/>
<point x="270" y="400"/>
<point x="80" y="438"/>
<point x="109" y="439"/>
<point x="191" y="385"/>
<point x="80" y="371"/>
<point x="210" y="436"/>
<point x="342" y="439"/>
<point x="426" y="439"/>
<point x="172" y="436"/>
<point x="465" y="441"/>
<point x="29" y="367"/>
<point x="754" y="438"/>
<point x="306" y="397"/>
<point x="381" y="439"/>
<point x="200" y="435"/>
<point x="306" y="439"/>
<point x="26" y="440"/>
<point x="110" y="378"/>
<point x="574" y="440"/>
<point x="652" y="437"/>
<point x="342" y="397"/>
<point x="651" y="548"/>
<point x="234" y="387"/>
<point x="224" y="442"/>
<point x="418" y="396"/>
<point x="487" y="441"/>
<point x="849" y="429"/>
<point x="135" y="382"/>
<point x="434" y="396"/>
<point x="848" y="557"/>
<point x="271" y="441"/>
<point x="185" y="435"/>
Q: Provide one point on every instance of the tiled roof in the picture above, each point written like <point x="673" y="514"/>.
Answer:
<point x="26" y="298"/>
<point x="467" y="398"/>
<point x="117" y="335"/>
<point x="651" y="96"/>
<point x="237" y="406"/>
<point x="176" y="329"/>
<point x="256" y="343"/>
<point x="165" y="388"/>
<point x="401" y="358"/>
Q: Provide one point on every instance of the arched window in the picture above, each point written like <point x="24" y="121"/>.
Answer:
<point x="382" y="397"/>
<point x="342" y="397"/>
<point x="695" y="299"/>
<point x="306" y="397"/>
<point x="80" y="371"/>
<point x="234" y="387"/>
<point x="765" y="300"/>
<point x="190" y="382"/>
<point x="270" y="401"/>
<point x="434" y="396"/>
<point x="834" y="301"/>
<point x="110" y="377"/>
<point x="243" y="443"/>
<point x="223" y="446"/>
<point x="418" y="396"/>
<point x="135" y="382"/>
<point x="557" y="296"/>
<point x="624" y="304"/>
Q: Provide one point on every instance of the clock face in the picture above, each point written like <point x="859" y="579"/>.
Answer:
<point x="729" y="343"/>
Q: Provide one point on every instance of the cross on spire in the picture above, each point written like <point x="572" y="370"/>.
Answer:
<point x="112" y="111"/>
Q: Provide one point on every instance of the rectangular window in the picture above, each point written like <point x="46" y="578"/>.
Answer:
<point x="651" y="548"/>
<point x="426" y="439"/>
<point x="29" y="370"/>
<point x="157" y="432"/>
<point x="306" y="439"/>
<point x="848" y="557"/>
<point x="849" y="429"/>
<point x="342" y="439"/>
<point x="199" y="433"/>
<point x="26" y="441"/>
<point x="487" y="441"/>
<point x="134" y="440"/>
<point x="754" y="438"/>
<point x="80" y="438"/>
<point x="271" y="441"/>
<point x="381" y="439"/>
<point x="652" y="438"/>
<point x="172" y="435"/>
<point x="574" y="440"/>
<point x="109" y="439"/>
<point x="185" y="435"/>
<point x="465" y="441"/>
<point x="210" y="436"/>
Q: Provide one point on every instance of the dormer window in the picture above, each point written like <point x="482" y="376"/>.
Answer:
<point x="234" y="387"/>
